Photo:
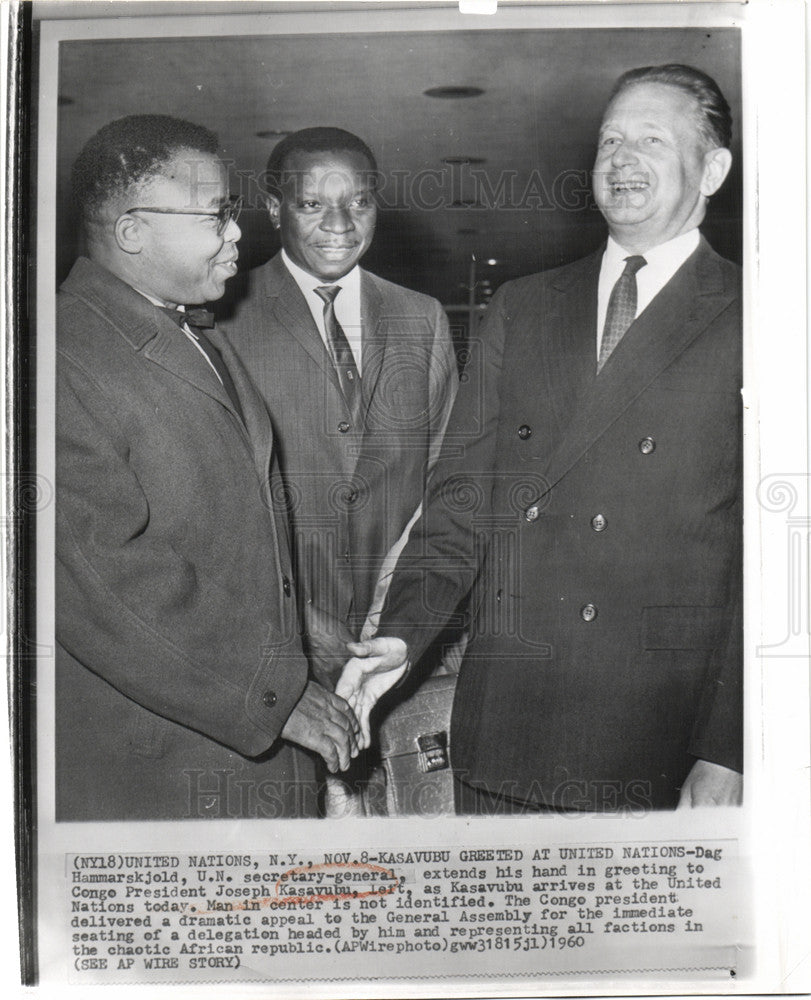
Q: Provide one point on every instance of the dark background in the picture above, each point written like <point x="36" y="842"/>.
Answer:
<point x="533" y="129"/>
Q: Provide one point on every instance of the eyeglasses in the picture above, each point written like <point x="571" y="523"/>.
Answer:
<point x="229" y="210"/>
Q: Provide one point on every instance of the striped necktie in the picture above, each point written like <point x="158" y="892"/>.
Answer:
<point x="341" y="353"/>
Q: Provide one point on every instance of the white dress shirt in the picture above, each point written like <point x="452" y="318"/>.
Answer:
<point x="347" y="304"/>
<point x="662" y="263"/>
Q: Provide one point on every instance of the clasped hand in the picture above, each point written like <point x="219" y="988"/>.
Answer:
<point x="336" y="726"/>
<point x="324" y="722"/>
<point x="376" y="666"/>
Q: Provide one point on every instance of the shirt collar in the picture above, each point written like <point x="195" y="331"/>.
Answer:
<point x="308" y="282"/>
<point x="157" y="302"/>
<point x="677" y="249"/>
<point x="152" y="299"/>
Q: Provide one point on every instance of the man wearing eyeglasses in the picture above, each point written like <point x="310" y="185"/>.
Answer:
<point x="181" y="687"/>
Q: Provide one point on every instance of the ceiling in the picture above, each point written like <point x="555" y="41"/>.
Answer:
<point x="525" y="205"/>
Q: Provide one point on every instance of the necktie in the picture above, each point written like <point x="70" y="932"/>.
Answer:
<point x="341" y="353"/>
<point x="194" y="318"/>
<point x="621" y="310"/>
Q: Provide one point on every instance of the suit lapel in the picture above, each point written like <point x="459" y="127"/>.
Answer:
<point x="569" y="312"/>
<point x="689" y="302"/>
<point x="292" y="312"/>
<point x="257" y="420"/>
<point x="171" y="349"/>
<point x="145" y="328"/>
<point x="374" y="337"/>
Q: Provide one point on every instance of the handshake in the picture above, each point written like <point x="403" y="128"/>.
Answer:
<point x="336" y="725"/>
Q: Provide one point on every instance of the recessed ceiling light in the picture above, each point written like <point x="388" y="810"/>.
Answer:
<point x="453" y="92"/>
<point x="462" y="160"/>
<point x="492" y="261"/>
<point x="271" y="134"/>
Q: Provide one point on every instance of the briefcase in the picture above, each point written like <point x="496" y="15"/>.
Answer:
<point x="415" y="753"/>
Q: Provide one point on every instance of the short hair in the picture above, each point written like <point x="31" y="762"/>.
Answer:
<point x="128" y="151"/>
<point x="319" y="139"/>
<point x="714" y="117"/>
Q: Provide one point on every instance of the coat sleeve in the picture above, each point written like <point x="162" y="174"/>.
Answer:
<point x="135" y="610"/>
<point x="718" y="731"/>
<point x="443" y="383"/>
<point x="441" y="561"/>
<point x="717" y="734"/>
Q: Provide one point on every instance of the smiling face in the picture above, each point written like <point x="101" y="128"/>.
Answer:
<point x="327" y="213"/>
<point x="653" y="172"/>
<point x="182" y="259"/>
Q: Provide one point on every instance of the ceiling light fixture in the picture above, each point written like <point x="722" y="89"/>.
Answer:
<point x="450" y="93"/>
<point x="463" y="160"/>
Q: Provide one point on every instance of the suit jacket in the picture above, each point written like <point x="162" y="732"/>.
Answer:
<point x="351" y="490"/>
<point x="600" y="518"/>
<point x="179" y="659"/>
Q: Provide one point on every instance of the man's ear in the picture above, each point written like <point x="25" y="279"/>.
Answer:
<point x="128" y="234"/>
<point x="274" y="207"/>
<point x="716" y="167"/>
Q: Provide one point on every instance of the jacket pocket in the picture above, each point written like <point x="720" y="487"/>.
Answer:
<point x="686" y="627"/>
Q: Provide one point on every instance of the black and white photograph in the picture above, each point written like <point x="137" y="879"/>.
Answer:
<point x="580" y="536"/>
<point x="410" y="449"/>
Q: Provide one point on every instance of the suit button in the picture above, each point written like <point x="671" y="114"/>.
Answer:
<point x="647" y="446"/>
<point x="343" y="427"/>
<point x="588" y="612"/>
<point x="269" y="699"/>
<point x="286" y="587"/>
<point x="531" y="513"/>
<point x="524" y="432"/>
<point x="599" y="523"/>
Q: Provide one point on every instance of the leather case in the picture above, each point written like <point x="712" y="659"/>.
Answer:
<point x="415" y="751"/>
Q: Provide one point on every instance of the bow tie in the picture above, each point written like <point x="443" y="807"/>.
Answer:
<point x="194" y="317"/>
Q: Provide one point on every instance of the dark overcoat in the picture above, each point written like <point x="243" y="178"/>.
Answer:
<point x="178" y="656"/>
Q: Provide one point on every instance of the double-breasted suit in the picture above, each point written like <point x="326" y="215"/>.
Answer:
<point x="599" y="517"/>
<point x="351" y="490"/>
<point x="178" y="658"/>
